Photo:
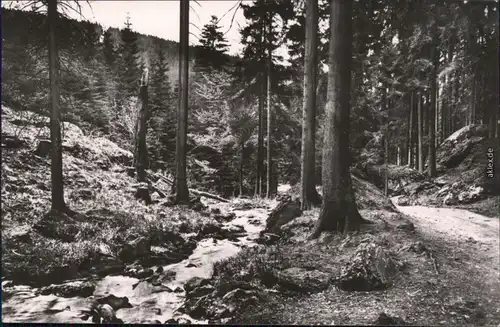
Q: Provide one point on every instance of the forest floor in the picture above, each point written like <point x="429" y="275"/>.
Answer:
<point x="211" y="263"/>
<point x="450" y="275"/>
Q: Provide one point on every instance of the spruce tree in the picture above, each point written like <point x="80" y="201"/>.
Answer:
<point x="213" y="46"/>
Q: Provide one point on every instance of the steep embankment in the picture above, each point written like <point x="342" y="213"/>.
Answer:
<point x="468" y="175"/>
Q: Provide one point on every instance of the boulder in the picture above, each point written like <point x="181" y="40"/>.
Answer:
<point x="195" y="282"/>
<point x="225" y="217"/>
<point x="385" y="320"/>
<point x="285" y="212"/>
<point x="115" y="302"/>
<point x="303" y="280"/>
<point x="196" y="204"/>
<point x="200" y="291"/>
<point x="71" y="289"/>
<point x="142" y="193"/>
<point x="135" y="249"/>
<point x="370" y="268"/>
<point x="43" y="148"/>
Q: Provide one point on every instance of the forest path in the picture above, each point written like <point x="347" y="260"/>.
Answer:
<point x="467" y="238"/>
<point x="460" y="227"/>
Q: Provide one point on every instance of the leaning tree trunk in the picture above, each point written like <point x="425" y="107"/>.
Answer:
<point x="339" y="210"/>
<point x="181" y="189"/>
<point x="58" y="203"/>
<point x="141" y="149"/>
<point x="309" y="195"/>
<point x="433" y="105"/>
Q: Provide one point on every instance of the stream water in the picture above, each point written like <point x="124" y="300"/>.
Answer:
<point x="149" y="302"/>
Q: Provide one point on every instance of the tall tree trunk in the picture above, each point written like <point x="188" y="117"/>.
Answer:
<point x="260" y="145"/>
<point x="242" y="159"/>
<point x="58" y="203"/>
<point x="141" y="149"/>
<point x="269" y="179"/>
<point x="411" y="128"/>
<point x="386" y="162"/>
<point x="420" y="134"/>
<point x="339" y="210"/>
<point x="181" y="189"/>
<point x="433" y="103"/>
<point x="309" y="195"/>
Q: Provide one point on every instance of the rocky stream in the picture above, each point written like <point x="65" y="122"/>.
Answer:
<point x="155" y="299"/>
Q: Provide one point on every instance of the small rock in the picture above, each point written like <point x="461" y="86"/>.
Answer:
<point x="191" y="265"/>
<point x="115" y="302"/>
<point x="82" y="194"/>
<point x="194" y="283"/>
<point x="200" y="291"/>
<point x="408" y="226"/>
<point x="386" y="320"/>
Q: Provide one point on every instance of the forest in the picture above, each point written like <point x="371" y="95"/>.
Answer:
<point x="355" y="181"/>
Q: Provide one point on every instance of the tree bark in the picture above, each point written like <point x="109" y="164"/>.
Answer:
<point x="269" y="181"/>
<point x="420" y="134"/>
<point x="241" y="167"/>
<point x="181" y="189"/>
<point x="58" y="203"/>
<point x="260" y="146"/>
<point x="339" y="210"/>
<point x="141" y="149"/>
<point x="433" y="103"/>
<point x="309" y="195"/>
<point x="386" y="162"/>
<point x="411" y="128"/>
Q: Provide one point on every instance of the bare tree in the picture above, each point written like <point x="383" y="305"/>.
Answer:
<point x="141" y="149"/>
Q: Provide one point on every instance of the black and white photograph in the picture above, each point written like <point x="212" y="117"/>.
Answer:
<point x="250" y="162"/>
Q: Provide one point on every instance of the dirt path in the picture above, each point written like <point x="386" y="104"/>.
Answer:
<point x="462" y="226"/>
<point x="470" y="239"/>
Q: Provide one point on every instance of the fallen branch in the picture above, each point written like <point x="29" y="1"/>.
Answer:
<point x="196" y="192"/>
<point x="433" y="262"/>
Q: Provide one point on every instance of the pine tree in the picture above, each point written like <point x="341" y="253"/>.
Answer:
<point x="129" y="69"/>
<point x="213" y="48"/>
<point x="162" y="118"/>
